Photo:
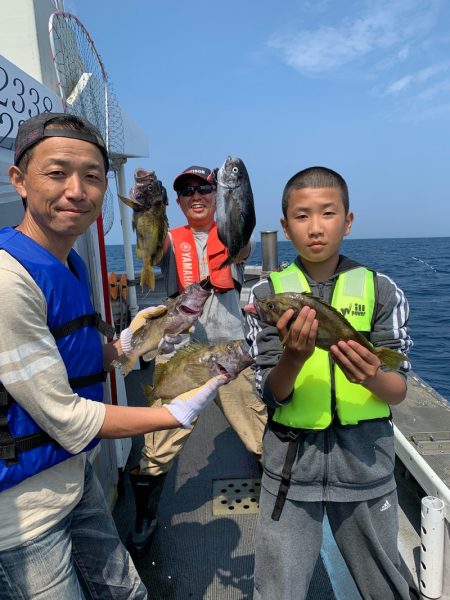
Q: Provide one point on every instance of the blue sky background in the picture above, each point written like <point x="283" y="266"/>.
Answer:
<point x="362" y="87"/>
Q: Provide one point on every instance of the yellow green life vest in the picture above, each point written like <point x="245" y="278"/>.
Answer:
<point x="321" y="385"/>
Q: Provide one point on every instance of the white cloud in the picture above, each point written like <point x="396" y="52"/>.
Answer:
<point x="420" y="77"/>
<point x="399" y="48"/>
<point x="384" y="26"/>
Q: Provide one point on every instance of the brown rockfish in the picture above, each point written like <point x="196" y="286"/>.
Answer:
<point x="148" y="199"/>
<point x="193" y="365"/>
<point x="181" y="314"/>
<point x="333" y="326"/>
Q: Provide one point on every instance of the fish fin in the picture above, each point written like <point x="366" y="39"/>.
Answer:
<point x="131" y="203"/>
<point x="149" y="393"/>
<point x="150" y="355"/>
<point x="391" y="358"/>
<point x="147" y="277"/>
<point x="122" y="363"/>
<point x="196" y="373"/>
<point x="187" y="350"/>
<point x="159" y="371"/>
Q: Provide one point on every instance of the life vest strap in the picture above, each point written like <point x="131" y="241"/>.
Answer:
<point x="293" y="437"/>
<point x="89" y="320"/>
<point x="85" y="380"/>
<point x="6" y="440"/>
<point x="9" y="448"/>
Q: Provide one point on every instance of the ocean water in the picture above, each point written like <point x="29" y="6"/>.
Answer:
<point x="420" y="266"/>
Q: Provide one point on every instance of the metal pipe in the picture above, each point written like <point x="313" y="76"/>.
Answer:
<point x="421" y="470"/>
<point x="269" y="251"/>
<point x="432" y="547"/>
<point x="126" y="233"/>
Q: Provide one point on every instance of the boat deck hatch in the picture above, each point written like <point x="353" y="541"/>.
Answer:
<point x="433" y="442"/>
<point x="236" y="496"/>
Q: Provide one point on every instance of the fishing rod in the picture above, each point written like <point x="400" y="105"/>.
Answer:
<point x="424" y="262"/>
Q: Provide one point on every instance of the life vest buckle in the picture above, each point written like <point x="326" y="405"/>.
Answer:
<point x="8" y="452"/>
<point x="293" y="435"/>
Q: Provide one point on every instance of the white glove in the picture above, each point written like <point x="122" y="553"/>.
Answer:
<point x="186" y="407"/>
<point x="139" y="320"/>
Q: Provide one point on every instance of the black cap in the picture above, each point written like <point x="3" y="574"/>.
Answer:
<point x="34" y="130"/>
<point x="201" y="172"/>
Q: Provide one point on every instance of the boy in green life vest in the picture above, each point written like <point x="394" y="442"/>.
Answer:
<point x="329" y="444"/>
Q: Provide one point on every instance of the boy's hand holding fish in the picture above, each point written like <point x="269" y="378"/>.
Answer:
<point x="357" y="362"/>
<point x="315" y="323"/>
<point x="362" y="366"/>
<point x="299" y="336"/>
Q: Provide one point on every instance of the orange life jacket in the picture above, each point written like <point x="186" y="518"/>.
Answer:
<point x="187" y="260"/>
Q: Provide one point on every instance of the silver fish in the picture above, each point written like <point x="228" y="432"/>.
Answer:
<point x="235" y="210"/>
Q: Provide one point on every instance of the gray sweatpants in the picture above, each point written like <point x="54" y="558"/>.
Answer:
<point x="365" y="532"/>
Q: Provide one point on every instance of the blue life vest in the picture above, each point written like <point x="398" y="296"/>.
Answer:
<point x="25" y="449"/>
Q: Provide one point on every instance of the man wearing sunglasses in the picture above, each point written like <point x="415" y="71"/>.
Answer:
<point x="194" y="252"/>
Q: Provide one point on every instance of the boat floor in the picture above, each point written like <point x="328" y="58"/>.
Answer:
<point x="194" y="553"/>
<point x="198" y="555"/>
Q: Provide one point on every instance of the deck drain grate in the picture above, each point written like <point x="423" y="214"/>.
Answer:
<point x="236" y="496"/>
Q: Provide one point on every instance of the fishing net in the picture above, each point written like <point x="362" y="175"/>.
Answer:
<point x="85" y="88"/>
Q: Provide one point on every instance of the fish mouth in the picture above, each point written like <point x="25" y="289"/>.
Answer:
<point x="188" y="310"/>
<point x="258" y="310"/>
<point x="223" y="370"/>
<point x="250" y="308"/>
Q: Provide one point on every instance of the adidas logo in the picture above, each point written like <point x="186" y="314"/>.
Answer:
<point x="385" y="506"/>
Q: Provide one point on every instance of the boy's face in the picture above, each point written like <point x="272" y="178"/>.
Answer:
<point x="316" y="223"/>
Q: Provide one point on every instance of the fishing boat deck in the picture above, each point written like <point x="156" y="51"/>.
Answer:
<point x="196" y="554"/>
<point x="201" y="555"/>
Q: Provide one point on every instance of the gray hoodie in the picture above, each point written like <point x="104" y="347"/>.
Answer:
<point x="338" y="464"/>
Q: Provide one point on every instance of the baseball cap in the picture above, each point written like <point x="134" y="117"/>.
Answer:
<point x="34" y="130"/>
<point x="201" y="172"/>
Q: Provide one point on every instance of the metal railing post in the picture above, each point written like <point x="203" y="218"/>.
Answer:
<point x="269" y="251"/>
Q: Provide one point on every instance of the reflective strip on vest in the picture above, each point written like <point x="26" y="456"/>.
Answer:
<point x="312" y="400"/>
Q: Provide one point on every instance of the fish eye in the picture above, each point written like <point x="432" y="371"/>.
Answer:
<point x="235" y="170"/>
<point x="229" y="346"/>
<point x="271" y="305"/>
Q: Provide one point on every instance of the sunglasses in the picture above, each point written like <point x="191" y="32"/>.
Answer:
<point x="203" y="190"/>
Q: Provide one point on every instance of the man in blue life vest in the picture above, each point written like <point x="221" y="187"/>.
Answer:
<point x="329" y="444"/>
<point x="193" y="252"/>
<point x="57" y="536"/>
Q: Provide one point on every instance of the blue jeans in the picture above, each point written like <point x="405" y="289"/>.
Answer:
<point x="79" y="558"/>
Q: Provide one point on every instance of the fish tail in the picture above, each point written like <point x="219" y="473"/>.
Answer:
<point x="122" y="363"/>
<point x="391" y="358"/>
<point x="147" y="277"/>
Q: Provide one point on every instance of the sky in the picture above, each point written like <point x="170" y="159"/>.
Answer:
<point x="362" y="87"/>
